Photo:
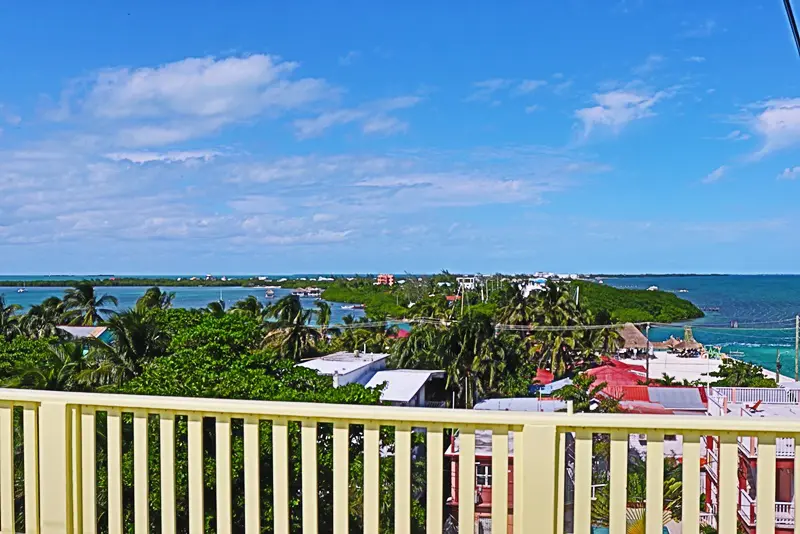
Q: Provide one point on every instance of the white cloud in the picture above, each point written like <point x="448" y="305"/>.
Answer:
<point x="529" y="86"/>
<point x="695" y="59"/>
<point x="153" y="106"/>
<point x="777" y="122"/>
<point x="562" y="88"/>
<point x="790" y="173"/>
<point x="533" y="108"/>
<point x="715" y="175"/>
<point x="736" y="135"/>
<point x="615" y="109"/>
<point x="170" y="157"/>
<point x="698" y="30"/>
<point x="372" y="116"/>
<point x="650" y="64"/>
<point x="348" y="59"/>
<point x="484" y="90"/>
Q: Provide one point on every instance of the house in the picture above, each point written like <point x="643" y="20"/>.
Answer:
<point x="82" y="332"/>
<point x="467" y="283"/>
<point x="385" y="280"/>
<point x="753" y="403"/>
<point x="401" y="387"/>
<point x="483" y="460"/>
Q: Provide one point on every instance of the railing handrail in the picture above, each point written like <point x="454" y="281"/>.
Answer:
<point x="765" y="395"/>
<point x="635" y="423"/>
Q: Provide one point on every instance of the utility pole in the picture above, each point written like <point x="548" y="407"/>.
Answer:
<point x="647" y="354"/>
<point x="796" y="347"/>
<point x="778" y="366"/>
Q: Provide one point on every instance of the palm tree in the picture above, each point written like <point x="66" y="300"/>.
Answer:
<point x="9" y="320"/>
<point x="249" y="306"/>
<point x="42" y="320"/>
<point x="88" y="308"/>
<point x="155" y="299"/>
<point x="216" y="308"/>
<point x="582" y="392"/>
<point x="137" y="340"/>
<point x="290" y="332"/>
<point x="323" y="314"/>
<point x="58" y="371"/>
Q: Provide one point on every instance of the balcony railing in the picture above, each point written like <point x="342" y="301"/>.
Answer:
<point x="753" y="395"/>
<point x="61" y="434"/>
<point x="748" y="508"/>
<point x="784" y="447"/>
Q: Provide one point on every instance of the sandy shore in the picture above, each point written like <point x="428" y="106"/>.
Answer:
<point x="687" y="368"/>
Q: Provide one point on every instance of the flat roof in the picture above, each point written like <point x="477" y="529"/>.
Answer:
<point x="343" y="362"/>
<point x="522" y="404"/>
<point x="83" y="331"/>
<point x="401" y="384"/>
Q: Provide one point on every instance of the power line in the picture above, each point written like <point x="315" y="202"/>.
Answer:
<point x="792" y="23"/>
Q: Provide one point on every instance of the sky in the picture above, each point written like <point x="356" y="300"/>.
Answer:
<point x="614" y="136"/>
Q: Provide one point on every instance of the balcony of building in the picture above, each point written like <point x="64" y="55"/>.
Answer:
<point x="83" y="463"/>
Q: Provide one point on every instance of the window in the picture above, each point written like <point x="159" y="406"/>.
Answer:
<point x="483" y="475"/>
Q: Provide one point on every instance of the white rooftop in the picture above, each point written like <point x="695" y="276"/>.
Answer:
<point x="522" y="404"/>
<point x="343" y="362"/>
<point x="401" y="384"/>
<point x="83" y="331"/>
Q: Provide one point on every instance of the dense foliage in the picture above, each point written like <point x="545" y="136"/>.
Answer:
<point x="736" y="373"/>
<point x="630" y="305"/>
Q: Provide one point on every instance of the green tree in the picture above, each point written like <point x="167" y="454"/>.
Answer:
<point x="155" y="299"/>
<point x="583" y="391"/>
<point x="58" y="370"/>
<point x="323" y="314"/>
<point x="137" y="340"/>
<point x="250" y="306"/>
<point x="9" y="320"/>
<point x="87" y="307"/>
<point x="42" y="320"/>
<point x="736" y="373"/>
<point x="290" y="332"/>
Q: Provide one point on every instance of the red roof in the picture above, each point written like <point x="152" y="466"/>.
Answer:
<point x="543" y="376"/>
<point x="628" y="393"/>
<point x="614" y="376"/>
<point x="451" y="298"/>
<point x="653" y="408"/>
<point x="622" y="365"/>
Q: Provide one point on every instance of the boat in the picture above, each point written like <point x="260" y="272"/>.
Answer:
<point x="353" y="307"/>
<point x="269" y="293"/>
<point x="21" y="290"/>
<point x="652" y="288"/>
<point x="683" y="291"/>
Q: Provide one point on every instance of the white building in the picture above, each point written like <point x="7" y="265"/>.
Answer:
<point x="403" y="387"/>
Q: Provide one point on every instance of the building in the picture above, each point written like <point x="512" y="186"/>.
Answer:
<point x="82" y="332"/>
<point x="385" y="280"/>
<point x="483" y="461"/>
<point x="753" y="404"/>
<point x="401" y="387"/>
<point x="467" y="283"/>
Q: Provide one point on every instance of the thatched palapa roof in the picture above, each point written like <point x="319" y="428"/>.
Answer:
<point x="670" y="343"/>
<point x="632" y="338"/>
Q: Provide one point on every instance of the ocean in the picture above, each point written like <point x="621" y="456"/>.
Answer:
<point x="185" y="297"/>
<point x="763" y="306"/>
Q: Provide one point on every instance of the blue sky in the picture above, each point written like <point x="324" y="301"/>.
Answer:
<point x="571" y="135"/>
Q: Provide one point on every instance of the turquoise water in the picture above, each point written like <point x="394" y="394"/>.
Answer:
<point x="185" y="297"/>
<point x="764" y="307"/>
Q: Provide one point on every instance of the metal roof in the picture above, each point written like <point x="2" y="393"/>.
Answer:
<point x="83" y="331"/>
<point x="522" y="404"/>
<point x="343" y="362"/>
<point x="401" y="384"/>
<point x="678" y="398"/>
